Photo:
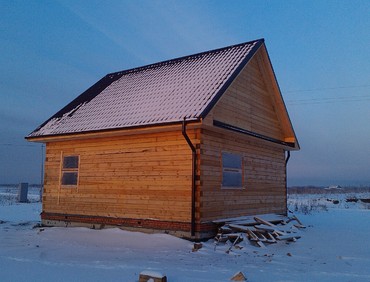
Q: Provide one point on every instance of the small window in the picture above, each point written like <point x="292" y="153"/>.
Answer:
<point x="232" y="172"/>
<point x="70" y="171"/>
<point x="70" y="162"/>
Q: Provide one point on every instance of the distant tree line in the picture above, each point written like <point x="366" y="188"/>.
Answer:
<point x="16" y="185"/>
<point x="327" y="190"/>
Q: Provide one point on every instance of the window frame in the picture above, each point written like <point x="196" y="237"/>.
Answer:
<point x="239" y="170"/>
<point x="64" y="170"/>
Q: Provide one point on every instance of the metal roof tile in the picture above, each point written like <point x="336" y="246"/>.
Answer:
<point x="160" y="93"/>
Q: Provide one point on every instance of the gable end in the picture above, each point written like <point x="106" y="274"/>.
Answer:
<point x="252" y="104"/>
<point x="237" y="71"/>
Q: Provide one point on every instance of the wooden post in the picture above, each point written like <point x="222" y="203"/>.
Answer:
<point x="22" y="192"/>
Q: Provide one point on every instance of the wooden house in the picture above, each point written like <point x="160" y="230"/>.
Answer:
<point x="171" y="146"/>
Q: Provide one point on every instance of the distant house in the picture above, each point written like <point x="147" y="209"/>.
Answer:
<point x="333" y="187"/>
<point x="171" y="146"/>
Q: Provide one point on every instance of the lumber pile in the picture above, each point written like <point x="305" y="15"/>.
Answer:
<point x="258" y="230"/>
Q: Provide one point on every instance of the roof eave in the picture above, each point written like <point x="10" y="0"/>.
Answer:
<point x="131" y="130"/>
<point x="85" y="97"/>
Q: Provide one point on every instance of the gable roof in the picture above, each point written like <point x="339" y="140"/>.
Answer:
<point x="161" y="93"/>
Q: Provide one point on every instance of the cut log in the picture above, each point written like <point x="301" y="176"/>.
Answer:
<point x="239" y="276"/>
<point x="197" y="246"/>
<point x="152" y="276"/>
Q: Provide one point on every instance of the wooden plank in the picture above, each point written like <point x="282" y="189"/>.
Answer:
<point x="264" y="170"/>
<point x="265" y="222"/>
<point x="124" y="177"/>
<point x="288" y="237"/>
<point x="239" y="227"/>
<point x="248" y="104"/>
<point x="255" y="238"/>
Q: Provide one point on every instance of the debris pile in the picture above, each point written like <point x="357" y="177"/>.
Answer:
<point x="259" y="230"/>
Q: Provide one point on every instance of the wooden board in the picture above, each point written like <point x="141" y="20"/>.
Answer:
<point x="138" y="176"/>
<point x="264" y="189"/>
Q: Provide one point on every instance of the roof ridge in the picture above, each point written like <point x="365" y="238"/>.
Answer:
<point x="175" y="60"/>
<point x="197" y="90"/>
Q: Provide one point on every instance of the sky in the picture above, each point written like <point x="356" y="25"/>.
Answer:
<point x="52" y="51"/>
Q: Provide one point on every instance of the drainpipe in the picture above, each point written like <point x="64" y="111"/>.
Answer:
<point x="194" y="170"/>
<point x="286" y="182"/>
<point x="287" y="158"/>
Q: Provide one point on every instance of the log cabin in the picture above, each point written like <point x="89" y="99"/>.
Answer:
<point x="171" y="147"/>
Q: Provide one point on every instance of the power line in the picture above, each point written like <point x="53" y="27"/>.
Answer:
<point x="324" y="102"/>
<point x="327" y="88"/>
<point x="329" y="100"/>
<point x="18" y="145"/>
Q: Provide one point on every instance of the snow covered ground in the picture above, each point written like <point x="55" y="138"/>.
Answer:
<point x="334" y="247"/>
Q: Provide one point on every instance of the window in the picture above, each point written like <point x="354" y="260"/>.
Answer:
<point x="232" y="170"/>
<point x="69" y="175"/>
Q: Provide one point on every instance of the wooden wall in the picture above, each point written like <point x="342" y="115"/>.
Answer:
<point x="263" y="171"/>
<point x="149" y="175"/>
<point x="249" y="104"/>
<point x="135" y="176"/>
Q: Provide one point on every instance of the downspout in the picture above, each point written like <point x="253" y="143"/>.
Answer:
<point x="287" y="158"/>
<point x="194" y="171"/>
<point x="286" y="181"/>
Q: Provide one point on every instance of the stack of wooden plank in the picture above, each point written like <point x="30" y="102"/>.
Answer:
<point x="259" y="230"/>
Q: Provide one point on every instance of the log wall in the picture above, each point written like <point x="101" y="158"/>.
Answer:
<point x="149" y="175"/>
<point x="249" y="103"/>
<point x="264" y="189"/>
<point x="136" y="176"/>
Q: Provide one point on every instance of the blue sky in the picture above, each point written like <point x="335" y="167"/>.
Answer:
<point x="51" y="51"/>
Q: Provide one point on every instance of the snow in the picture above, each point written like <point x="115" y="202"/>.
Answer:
<point x="152" y="274"/>
<point x="333" y="247"/>
<point x="161" y="93"/>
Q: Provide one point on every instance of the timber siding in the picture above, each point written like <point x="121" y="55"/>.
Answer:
<point x="263" y="171"/>
<point x="135" y="166"/>
<point x="134" y="176"/>
<point x="247" y="104"/>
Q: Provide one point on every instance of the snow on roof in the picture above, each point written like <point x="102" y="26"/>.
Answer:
<point x="160" y="93"/>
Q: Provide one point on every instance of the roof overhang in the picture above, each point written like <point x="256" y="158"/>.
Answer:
<point x="135" y="130"/>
